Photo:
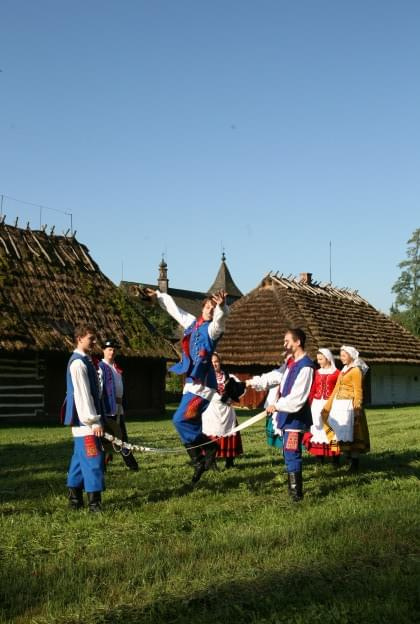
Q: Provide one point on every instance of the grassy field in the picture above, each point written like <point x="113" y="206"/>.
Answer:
<point x="233" y="549"/>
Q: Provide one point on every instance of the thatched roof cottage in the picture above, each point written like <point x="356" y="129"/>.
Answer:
<point x="330" y="317"/>
<point x="49" y="284"/>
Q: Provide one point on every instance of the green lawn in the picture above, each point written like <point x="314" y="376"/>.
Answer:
<point x="234" y="549"/>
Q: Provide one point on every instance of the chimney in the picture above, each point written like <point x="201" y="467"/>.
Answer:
<point x="163" y="277"/>
<point x="305" y="278"/>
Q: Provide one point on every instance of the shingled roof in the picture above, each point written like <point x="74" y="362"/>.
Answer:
<point x="50" y="283"/>
<point x="224" y="281"/>
<point x="189" y="300"/>
<point x="330" y="317"/>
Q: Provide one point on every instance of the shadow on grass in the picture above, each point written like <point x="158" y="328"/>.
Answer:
<point x="373" y="467"/>
<point x="23" y="469"/>
<point x="356" y="590"/>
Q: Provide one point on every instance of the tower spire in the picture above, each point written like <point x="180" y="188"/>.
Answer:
<point x="163" y="276"/>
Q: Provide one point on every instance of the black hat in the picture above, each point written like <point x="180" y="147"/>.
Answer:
<point x="110" y="343"/>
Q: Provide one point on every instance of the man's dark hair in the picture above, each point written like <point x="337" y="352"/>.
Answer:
<point x="298" y="334"/>
<point x="82" y="330"/>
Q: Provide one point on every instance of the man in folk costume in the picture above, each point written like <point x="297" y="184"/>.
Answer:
<point x="83" y="414"/>
<point x="112" y="399"/>
<point x="291" y="412"/>
<point x="198" y="344"/>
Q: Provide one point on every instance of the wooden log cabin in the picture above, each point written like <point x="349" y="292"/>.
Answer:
<point x="48" y="285"/>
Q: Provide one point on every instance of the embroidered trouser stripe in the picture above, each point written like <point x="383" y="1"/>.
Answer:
<point x="292" y="447"/>
<point x="86" y="468"/>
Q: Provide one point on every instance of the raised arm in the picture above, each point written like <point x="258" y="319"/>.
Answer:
<point x="221" y="310"/>
<point x="167" y="303"/>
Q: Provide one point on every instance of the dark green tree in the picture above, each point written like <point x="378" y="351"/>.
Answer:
<point x="406" y="308"/>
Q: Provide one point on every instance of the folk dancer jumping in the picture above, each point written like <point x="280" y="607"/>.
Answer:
<point x="198" y="345"/>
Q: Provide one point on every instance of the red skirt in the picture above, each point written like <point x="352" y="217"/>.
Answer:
<point x="229" y="446"/>
<point x="319" y="449"/>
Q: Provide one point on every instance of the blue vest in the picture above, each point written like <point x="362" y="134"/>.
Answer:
<point x="301" y="419"/>
<point x="197" y="349"/>
<point x="109" y="399"/>
<point x="71" y="417"/>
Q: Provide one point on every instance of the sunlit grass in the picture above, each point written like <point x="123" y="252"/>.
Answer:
<point x="234" y="547"/>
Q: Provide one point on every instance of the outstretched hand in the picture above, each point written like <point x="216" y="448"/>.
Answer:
<point x="219" y="297"/>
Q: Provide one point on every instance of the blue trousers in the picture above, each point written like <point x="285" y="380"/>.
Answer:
<point x="292" y="449"/>
<point x="87" y="466"/>
<point x="187" y="418"/>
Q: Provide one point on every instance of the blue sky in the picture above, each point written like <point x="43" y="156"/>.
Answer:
<point x="271" y="127"/>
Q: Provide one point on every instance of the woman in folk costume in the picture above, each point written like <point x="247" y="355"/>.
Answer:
<point x="271" y="381"/>
<point x="198" y="345"/>
<point x="325" y="378"/>
<point x="219" y="419"/>
<point x="344" y="418"/>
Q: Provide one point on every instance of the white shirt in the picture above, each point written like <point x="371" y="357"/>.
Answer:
<point x="83" y="399"/>
<point x="215" y="328"/>
<point x="268" y="380"/>
<point x="299" y="393"/>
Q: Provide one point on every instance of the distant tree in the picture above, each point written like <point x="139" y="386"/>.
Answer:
<point x="406" y="308"/>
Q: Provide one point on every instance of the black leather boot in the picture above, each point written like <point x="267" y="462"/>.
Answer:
<point x="354" y="465"/>
<point x="207" y="450"/>
<point x="230" y="462"/>
<point x="94" y="501"/>
<point x="210" y="452"/>
<point x="197" y="461"/>
<point x="336" y="461"/>
<point x="295" y="485"/>
<point x="76" y="498"/>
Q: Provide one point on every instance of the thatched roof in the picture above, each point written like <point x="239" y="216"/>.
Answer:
<point x="330" y="317"/>
<point x="49" y="284"/>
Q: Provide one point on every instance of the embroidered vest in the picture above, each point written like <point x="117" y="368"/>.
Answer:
<point x="323" y="385"/>
<point x="197" y="349"/>
<point x="302" y="419"/>
<point x="70" y="415"/>
<point x="109" y="398"/>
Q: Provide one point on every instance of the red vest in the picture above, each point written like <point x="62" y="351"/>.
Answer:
<point x="323" y="385"/>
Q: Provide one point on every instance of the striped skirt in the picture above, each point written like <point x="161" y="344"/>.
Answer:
<point x="229" y="446"/>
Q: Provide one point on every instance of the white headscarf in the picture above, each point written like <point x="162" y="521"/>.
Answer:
<point x="357" y="361"/>
<point x="327" y="354"/>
